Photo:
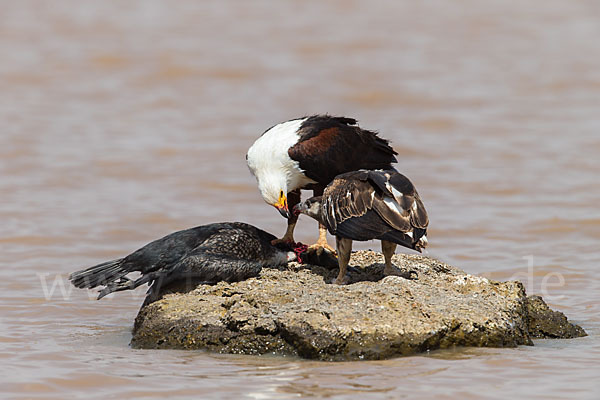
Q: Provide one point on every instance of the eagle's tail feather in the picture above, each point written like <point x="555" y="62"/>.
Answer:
<point x="409" y="241"/>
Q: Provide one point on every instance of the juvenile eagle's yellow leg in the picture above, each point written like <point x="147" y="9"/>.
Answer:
<point x="388" y="249"/>
<point x="344" y="247"/>
<point x="321" y="242"/>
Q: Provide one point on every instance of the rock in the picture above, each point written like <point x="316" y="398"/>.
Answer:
<point x="545" y="323"/>
<point x="294" y="311"/>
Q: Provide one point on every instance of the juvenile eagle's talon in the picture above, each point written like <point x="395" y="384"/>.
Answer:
<point x="343" y="281"/>
<point x="410" y="275"/>
<point x="318" y="248"/>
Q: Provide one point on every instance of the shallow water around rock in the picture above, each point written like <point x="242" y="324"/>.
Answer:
<point x="124" y="121"/>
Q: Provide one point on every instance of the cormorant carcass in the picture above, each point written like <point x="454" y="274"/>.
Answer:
<point x="209" y="253"/>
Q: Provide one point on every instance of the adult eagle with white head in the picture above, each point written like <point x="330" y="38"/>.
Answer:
<point x="307" y="153"/>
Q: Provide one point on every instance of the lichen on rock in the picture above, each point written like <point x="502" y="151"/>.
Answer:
<point x="294" y="311"/>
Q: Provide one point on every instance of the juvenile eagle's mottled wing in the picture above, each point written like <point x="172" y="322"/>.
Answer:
<point x="397" y="201"/>
<point x="349" y="195"/>
<point x="365" y="205"/>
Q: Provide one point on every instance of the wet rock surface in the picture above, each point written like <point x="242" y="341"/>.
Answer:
<point x="295" y="311"/>
<point x="545" y="323"/>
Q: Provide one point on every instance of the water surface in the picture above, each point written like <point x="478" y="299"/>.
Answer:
<point x="124" y="121"/>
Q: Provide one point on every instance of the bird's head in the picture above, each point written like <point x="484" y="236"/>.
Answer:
<point x="272" y="183"/>
<point x="274" y="192"/>
<point x="310" y="207"/>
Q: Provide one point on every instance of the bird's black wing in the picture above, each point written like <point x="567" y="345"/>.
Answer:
<point x="203" y="268"/>
<point x="329" y="146"/>
<point x="314" y="124"/>
<point x="238" y="240"/>
<point x="214" y="268"/>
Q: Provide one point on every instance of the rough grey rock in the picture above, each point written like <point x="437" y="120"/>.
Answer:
<point x="546" y="323"/>
<point x="294" y="311"/>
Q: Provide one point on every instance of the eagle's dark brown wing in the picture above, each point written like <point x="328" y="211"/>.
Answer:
<point x="329" y="146"/>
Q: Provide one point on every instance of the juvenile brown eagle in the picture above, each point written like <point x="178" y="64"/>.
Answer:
<point x="364" y="205"/>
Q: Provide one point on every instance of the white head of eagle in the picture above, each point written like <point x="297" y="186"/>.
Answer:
<point x="275" y="171"/>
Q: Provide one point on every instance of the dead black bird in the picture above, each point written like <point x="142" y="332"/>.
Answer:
<point x="210" y="253"/>
<point x="364" y="205"/>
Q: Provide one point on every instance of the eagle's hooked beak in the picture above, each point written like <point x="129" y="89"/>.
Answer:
<point x="282" y="206"/>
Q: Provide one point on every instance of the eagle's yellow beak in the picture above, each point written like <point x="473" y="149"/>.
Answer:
<point x="282" y="206"/>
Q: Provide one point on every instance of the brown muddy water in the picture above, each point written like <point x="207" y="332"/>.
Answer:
<point x="124" y="121"/>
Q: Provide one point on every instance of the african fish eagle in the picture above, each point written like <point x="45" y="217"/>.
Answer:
<point x="364" y="205"/>
<point x="307" y="153"/>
